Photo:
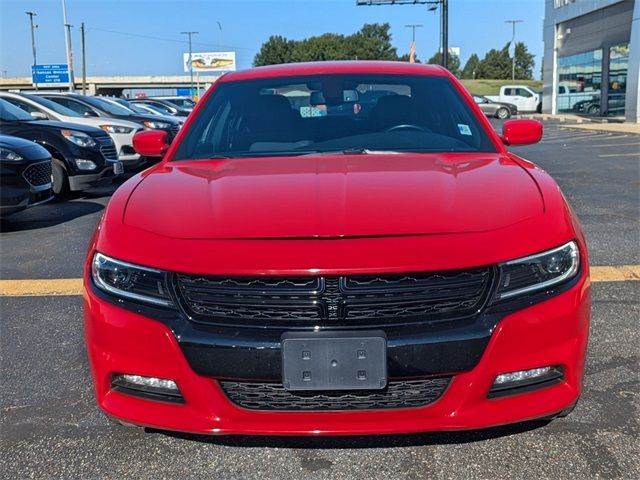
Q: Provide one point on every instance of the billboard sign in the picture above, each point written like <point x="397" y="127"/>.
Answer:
<point x="52" y="73"/>
<point x="210" y="61"/>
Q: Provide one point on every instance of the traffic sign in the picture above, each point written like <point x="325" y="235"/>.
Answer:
<point x="57" y="73"/>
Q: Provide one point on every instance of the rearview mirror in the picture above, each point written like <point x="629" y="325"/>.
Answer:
<point x="521" y="132"/>
<point x="151" y="143"/>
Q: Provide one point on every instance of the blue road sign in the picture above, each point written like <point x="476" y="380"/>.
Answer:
<point x="50" y="73"/>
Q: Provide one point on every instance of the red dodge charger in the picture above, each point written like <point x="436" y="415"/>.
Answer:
<point x="337" y="249"/>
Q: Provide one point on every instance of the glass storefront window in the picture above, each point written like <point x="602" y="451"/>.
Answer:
<point x="580" y="78"/>
<point x="618" y="66"/>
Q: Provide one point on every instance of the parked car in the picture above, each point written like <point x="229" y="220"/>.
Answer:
<point x="591" y="106"/>
<point x="525" y="98"/>
<point x="142" y="109"/>
<point x="495" y="109"/>
<point x="83" y="157"/>
<point x="394" y="272"/>
<point x="176" y="108"/>
<point x="25" y="175"/>
<point x="120" y="131"/>
<point x="98" y="107"/>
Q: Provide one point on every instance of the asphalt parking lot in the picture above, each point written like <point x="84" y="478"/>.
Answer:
<point x="51" y="428"/>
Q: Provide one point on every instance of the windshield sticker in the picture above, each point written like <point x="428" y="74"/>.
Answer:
<point x="464" y="129"/>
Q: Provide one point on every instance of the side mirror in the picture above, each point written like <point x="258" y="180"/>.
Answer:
<point x="39" y="116"/>
<point x="151" y="143"/>
<point x="521" y="132"/>
<point x="89" y="113"/>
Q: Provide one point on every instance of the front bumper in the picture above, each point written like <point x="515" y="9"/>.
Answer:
<point x="82" y="181"/>
<point x="553" y="332"/>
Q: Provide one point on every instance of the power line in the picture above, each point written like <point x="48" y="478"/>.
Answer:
<point x="164" y="39"/>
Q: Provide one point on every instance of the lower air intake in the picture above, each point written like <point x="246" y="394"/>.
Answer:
<point x="273" y="396"/>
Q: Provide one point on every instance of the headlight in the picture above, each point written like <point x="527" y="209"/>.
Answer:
<point x="153" y="124"/>
<point x="79" y="138"/>
<point x="539" y="271"/>
<point x="7" y="155"/>
<point x="116" y="129"/>
<point x="129" y="281"/>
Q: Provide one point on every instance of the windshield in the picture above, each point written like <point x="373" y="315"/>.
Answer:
<point x="109" y="107"/>
<point x="11" y="113"/>
<point x="329" y="113"/>
<point x="182" y="102"/>
<point x="56" y="107"/>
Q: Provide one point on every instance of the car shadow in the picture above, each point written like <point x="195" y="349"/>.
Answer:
<point x="48" y="215"/>
<point x="360" y="441"/>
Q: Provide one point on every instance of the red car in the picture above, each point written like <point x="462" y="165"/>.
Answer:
<point x="335" y="249"/>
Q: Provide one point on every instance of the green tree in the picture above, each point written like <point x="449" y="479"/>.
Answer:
<point x="470" y="69"/>
<point x="454" y="62"/>
<point x="371" y="42"/>
<point x="275" y="50"/>
<point x="496" y="64"/>
<point x="524" y="62"/>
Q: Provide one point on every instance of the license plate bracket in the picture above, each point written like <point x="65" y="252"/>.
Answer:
<point x="118" y="168"/>
<point x="329" y="361"/>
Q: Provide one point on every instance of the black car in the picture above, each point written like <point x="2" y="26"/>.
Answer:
<point x="25" y="175"/>
<point x="83" y="156"/>
<point x="167" y="107"/>
<point x="99" y="107"/>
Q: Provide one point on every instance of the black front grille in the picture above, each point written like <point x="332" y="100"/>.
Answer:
<point x="397" y="394"/>
<point x="348" y="301"/>
<point x="107" y="148"/>
<point x="38" y="174"/>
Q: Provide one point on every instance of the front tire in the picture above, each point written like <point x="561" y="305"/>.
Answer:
<point x="503" y="113"/>
<point x="60" y="179"/>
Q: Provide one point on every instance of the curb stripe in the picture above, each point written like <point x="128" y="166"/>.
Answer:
<point x="73" y="286"/>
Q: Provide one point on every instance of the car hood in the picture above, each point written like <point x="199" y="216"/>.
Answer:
<point x="333" y="196"/>
<point x="89" y="130"/>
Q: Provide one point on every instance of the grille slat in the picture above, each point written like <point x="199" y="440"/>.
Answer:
<point x="107" y="148"/>
<point x="347" y="301"/>
<point x="273" y="396"/>
<point x="38" y="174"/>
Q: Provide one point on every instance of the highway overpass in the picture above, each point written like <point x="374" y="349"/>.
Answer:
<point x="114" y="85"/>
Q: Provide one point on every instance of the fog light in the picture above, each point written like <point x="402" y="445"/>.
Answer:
<point x="525" y="381"/>
<point x="148" y="387"/>
<point x="83" y="164"/>
<point x="521" y="375"/>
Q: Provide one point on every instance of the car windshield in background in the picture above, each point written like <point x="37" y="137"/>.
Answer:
<point x="11" y="113"/>
<point x="109" y="107"/>
<point x="182" y="102"/>
<point x="334" y="113"/>
<point x="56" y="107"/>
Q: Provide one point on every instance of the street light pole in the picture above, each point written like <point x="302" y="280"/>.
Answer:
<point x="445" y="33"/>
<point x="189" y="34"/>
<point x="33" y="38"/>
<point x="513" y="38"/>
<point x="412" y="49"/>
<point x="67" y="41"/>
<point x="84" y="61"/>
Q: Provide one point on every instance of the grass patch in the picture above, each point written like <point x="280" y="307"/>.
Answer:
<point x="492" y="87"/>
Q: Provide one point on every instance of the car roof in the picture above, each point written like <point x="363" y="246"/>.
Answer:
<point x="339" y="67"/>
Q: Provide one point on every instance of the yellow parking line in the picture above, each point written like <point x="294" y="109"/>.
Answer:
<point x="73" y="286"/>
<point x="41" y="287"/>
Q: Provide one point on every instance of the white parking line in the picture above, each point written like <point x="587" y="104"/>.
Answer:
<point x="636" y="154"/>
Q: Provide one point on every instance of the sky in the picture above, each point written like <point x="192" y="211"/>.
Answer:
<point x="142" y="37"/>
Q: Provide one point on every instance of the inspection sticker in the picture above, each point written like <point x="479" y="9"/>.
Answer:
<point x="464" y="129"/>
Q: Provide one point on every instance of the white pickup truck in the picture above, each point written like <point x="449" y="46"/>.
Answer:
<point x="522" y="96"/>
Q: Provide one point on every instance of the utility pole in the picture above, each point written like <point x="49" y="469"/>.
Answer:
<point x="444" y="15"/>
<point x="432" y="5"/>
<point x="412" y="49"/>
<point x="67" y="41"/>
<point x="189" y="34"/>
<point x="84" y="61"/>
<point x="33" y="38"/>
<point x="513" y="38"/>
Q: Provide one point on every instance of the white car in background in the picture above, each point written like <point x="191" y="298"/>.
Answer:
<point x="121" y="131"/>
<point x="143" y="109"/>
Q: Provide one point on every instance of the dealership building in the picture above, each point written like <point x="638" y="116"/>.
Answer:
<point x="591" y="60"/>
